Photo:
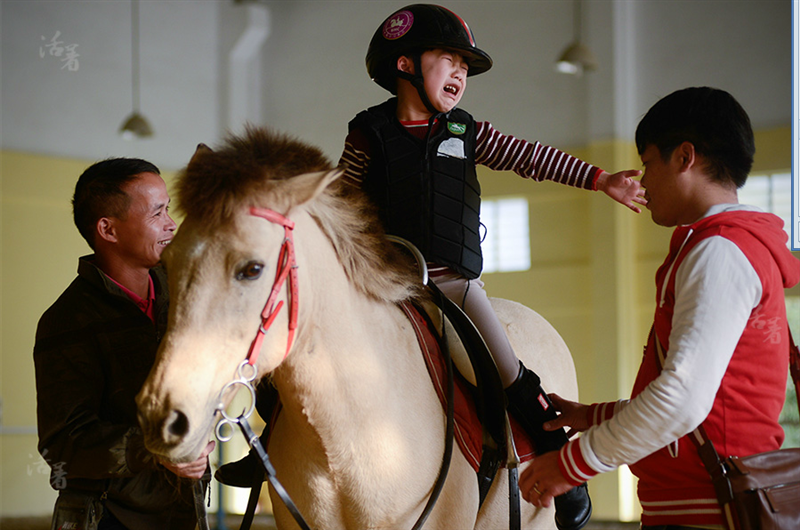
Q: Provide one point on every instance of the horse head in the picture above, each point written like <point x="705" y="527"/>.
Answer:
<point x="239" y="203"/>
<point x="221" y="268"/>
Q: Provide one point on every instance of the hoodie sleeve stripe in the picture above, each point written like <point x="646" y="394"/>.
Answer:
<point x="572" y="464"/>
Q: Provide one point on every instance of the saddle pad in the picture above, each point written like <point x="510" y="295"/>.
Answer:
<point x="467" y="430"/>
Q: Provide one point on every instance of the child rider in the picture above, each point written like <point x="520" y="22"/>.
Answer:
<point x="415" y="156"/>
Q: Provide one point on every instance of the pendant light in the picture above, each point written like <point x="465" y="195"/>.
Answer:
<point x="135" y="125"/>
<point x="576" y="58"/>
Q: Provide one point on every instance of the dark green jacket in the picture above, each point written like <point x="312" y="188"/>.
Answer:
<point x="94" y="349"/>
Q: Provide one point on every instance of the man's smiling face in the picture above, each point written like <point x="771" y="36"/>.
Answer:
<point x="146" y="228"/>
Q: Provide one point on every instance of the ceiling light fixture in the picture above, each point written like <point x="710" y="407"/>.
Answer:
<point x="135" y="125"/>
<point x="576" y="58"/>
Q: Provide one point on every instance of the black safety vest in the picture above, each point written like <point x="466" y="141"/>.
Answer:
<point x="427" y="191"/>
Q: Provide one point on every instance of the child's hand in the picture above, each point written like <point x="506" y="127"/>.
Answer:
<point x="623" y="188"/>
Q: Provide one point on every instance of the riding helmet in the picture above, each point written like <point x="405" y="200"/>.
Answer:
<point x="417" y="28"/>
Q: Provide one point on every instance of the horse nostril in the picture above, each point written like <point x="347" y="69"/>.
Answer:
<point x="176" y="425"/>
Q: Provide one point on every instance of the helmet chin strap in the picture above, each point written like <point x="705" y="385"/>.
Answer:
<point x="418" y="82"/>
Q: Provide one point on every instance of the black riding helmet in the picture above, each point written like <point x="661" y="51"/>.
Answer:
<point x="414" y="29"/>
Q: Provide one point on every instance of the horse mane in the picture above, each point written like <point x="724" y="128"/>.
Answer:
<point x="248" y="170"/>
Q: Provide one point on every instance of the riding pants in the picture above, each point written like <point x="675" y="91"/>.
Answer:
<point x="473" y="300"/>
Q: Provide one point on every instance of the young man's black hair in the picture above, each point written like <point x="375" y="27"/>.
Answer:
<point x="99" y="193"/>
<point x="711" y="120"/>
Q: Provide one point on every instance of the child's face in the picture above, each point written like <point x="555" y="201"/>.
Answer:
<point x="445" y="74"/>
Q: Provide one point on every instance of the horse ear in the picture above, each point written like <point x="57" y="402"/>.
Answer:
<point x="311" y="185"/>
<point x="201" y="148"/>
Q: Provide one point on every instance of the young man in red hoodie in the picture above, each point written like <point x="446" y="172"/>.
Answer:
<point x="720" y="320"/>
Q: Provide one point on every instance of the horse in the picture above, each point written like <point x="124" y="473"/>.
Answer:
<point x="359" y="441"/>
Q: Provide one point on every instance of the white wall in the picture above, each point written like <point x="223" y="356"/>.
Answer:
<point x="743" y="47"/>
<point x="50" y="110"/>
<point x="313" y="79"/>
<point x="649" y="48"/>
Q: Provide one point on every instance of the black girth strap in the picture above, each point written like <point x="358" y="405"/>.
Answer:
<point x="514" y="513"/>
<point x="198" y="494"/>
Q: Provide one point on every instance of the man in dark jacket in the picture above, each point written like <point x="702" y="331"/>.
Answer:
<point x="95" y="346"/>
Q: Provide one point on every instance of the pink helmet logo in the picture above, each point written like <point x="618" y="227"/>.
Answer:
<point x="398" y="25"/>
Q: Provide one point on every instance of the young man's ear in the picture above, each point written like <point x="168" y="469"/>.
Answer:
<point x="405" y="64"/>
<point x="685" y="155"/>
<point x="106" y="230"/>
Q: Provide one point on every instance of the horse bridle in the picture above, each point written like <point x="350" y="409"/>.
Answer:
<point x="286" y="269"/>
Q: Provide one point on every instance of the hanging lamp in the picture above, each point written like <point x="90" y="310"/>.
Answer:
<point x="135" y="125"/>
<point x="577" y="57"/>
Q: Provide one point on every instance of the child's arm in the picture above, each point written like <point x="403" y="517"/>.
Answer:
<point x="355" y="158"/>
<point x="622" y="188"/>
<point x="502" y="152"/>
<point x="540" y="162"/>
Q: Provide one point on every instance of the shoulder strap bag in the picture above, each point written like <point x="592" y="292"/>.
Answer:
<point x="760" y="491"/>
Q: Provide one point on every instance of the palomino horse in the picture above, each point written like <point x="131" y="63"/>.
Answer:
<point x="359" y="441"/>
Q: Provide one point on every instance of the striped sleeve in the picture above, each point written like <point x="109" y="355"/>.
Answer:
<point x="355" y="158"/>
<point x="577" y="462"/>
<point x="600" y="412"/>
<point x="573" y="465"/>
<point x="531" y="160"/>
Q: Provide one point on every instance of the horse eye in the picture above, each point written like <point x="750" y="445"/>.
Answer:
<point x="251" y="271"/>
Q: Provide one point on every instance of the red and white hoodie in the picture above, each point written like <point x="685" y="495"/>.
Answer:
<point x="721" y="319"/>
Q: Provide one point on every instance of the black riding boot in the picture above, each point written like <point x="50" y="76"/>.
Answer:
<point x="529" y="404"/>
<point x="245" y="472"/>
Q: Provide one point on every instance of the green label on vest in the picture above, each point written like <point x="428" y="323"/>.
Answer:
<point x="457" y="128"/>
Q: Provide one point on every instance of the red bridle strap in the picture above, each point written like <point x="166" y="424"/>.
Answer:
<point x="287" y="268"/>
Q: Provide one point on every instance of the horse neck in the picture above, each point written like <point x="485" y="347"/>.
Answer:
<point x="355" y="360"/>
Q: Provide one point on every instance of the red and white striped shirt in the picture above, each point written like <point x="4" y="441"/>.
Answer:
<point x="494" y="150"/>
